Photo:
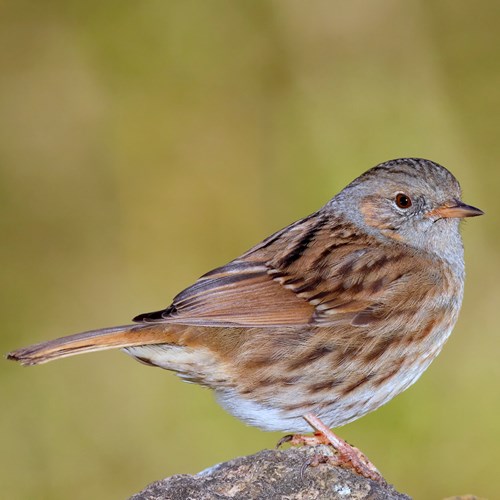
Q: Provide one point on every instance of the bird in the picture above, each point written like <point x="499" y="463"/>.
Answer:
<point x="322" y="322"/>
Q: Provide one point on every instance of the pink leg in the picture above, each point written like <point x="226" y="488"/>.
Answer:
<point x="346" y="454"/>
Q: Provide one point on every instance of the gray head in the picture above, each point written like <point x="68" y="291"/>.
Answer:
<point x="410" y="200"/>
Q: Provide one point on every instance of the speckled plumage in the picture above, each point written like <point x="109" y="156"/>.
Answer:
<point x="333" y="315"/>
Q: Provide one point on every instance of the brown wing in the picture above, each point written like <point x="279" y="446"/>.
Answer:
<point x="317" y="271"/>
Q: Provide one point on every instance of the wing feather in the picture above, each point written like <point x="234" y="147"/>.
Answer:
<point x="317" y="271"/>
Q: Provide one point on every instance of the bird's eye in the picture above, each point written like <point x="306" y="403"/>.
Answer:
<point x="403" y="201"/>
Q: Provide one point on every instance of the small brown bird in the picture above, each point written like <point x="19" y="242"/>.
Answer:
<point x="322" y="322"/>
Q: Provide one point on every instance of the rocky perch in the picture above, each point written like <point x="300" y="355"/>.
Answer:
<point x="272" y="474"/>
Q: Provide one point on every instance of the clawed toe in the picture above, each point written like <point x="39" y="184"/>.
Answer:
<point x="299" y="439"/>
<point x="285" y="439"/>
<point x="346" y="456"/>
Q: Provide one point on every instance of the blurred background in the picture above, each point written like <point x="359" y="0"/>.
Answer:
<point x="144" y="143"/>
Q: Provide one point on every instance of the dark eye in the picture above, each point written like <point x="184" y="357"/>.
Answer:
<point x="403" y="201"/>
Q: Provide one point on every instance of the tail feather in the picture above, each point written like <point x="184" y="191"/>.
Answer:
<point x="94" y="340"/>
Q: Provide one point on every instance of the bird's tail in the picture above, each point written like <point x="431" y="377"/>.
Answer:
<point x="94" y="340"/>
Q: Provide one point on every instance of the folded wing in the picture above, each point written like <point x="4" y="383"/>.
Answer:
<point x="318" y="271"/>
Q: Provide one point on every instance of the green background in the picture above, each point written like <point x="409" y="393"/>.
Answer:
<point x="143" y="143"/>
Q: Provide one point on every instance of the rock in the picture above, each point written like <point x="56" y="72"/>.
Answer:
<point x="272" y="474"/>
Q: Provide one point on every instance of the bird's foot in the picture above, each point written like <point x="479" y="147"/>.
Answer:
<point x="300" y="439"/>
<point x="346" y="455"/>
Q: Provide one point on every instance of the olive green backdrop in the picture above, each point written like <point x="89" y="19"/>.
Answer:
<point x="144" y="143"/>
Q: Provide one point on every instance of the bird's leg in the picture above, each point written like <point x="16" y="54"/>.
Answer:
<point x="346" y="455"/>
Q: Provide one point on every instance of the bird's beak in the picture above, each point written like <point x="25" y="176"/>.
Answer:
<point x="455" y="209"/>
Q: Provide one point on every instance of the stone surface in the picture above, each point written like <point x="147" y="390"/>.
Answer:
<point x="271" y="474"/>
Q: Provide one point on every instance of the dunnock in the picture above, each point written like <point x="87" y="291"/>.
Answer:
<point x="322" y="322"/>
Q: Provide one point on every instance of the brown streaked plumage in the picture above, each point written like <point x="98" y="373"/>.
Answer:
<point x="329" y="318"/>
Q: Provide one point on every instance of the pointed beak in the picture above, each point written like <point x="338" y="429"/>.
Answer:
<point x="455" y="209"/>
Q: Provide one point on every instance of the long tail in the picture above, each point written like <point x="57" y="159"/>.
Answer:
<point x="94" y="340"/>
